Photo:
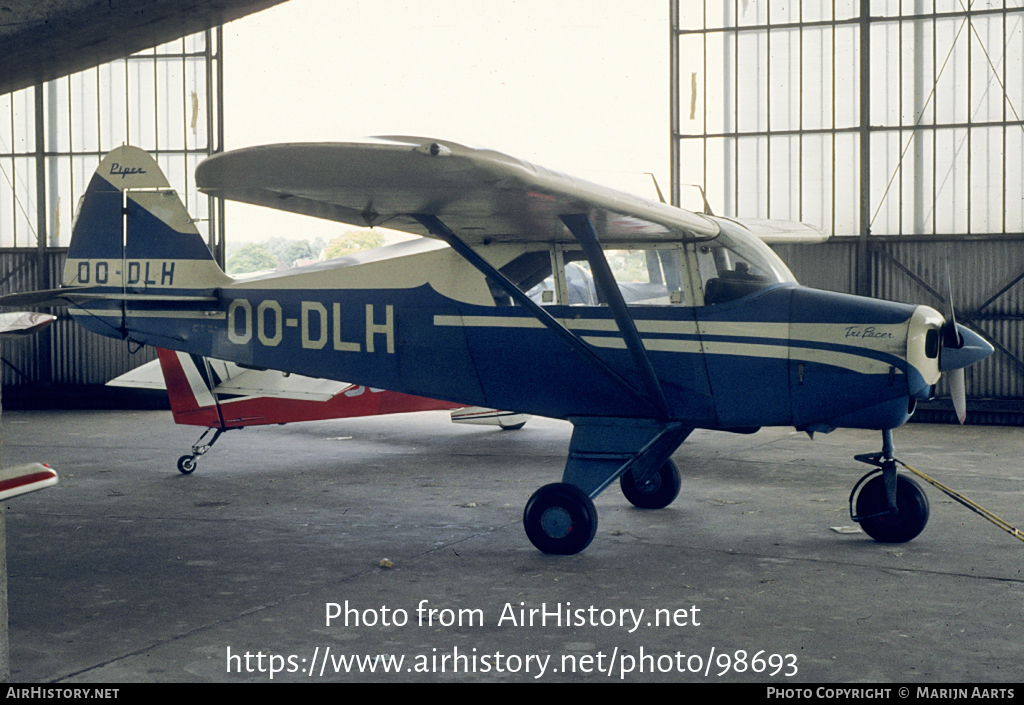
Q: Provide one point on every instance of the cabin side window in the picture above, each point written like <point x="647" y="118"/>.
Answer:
<point x="649" y="275"/>
<point x="529" y="272"/>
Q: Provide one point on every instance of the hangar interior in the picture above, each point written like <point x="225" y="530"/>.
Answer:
<point x="896" y="125"/>
<point x="893" y="124"/>
<point x="167" y="100"/>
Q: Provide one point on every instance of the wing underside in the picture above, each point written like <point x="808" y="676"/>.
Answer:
<point x="483" y="195"/>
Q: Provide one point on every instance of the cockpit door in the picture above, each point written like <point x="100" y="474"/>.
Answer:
<point x="743" y="324"/>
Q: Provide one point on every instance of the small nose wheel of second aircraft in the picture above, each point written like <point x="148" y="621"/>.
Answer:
<point x="560" y="519"/>
<point x="187" y="464"/>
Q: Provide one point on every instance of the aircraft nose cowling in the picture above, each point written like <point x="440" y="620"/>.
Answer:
<point x="849" y="365"/>
<point x="973" y="348"/>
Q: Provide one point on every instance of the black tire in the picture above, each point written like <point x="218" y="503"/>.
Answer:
<point x="186" y="464"/>
<point x="513" y="427"/>
<point x="911" y="517"/>
<point x="560" y="519"/>
<point x="661" y="492"/>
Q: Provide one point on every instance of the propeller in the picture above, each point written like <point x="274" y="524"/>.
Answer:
<point x="960" y="347"/>
<point x="958" y="390"/>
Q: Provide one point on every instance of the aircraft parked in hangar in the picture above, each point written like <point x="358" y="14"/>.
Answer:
<point x="718" y="334"/>
<point x="222" y="396"/>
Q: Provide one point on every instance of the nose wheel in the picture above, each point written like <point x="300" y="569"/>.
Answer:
<point x="890" y="508"/>
<point x="881" y="523"/>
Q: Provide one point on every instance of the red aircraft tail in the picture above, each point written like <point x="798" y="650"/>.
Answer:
<point x="212" y="393"/>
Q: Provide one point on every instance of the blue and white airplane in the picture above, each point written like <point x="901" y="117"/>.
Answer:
<point x="654" y="321"/>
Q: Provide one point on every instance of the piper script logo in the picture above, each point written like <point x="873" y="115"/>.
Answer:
<point x="118" y="170"/>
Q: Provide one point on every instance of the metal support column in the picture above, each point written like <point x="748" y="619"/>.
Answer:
<point x="863" y="251"/>
<point x="674" y="128"/>
<point x="42" y="268"/>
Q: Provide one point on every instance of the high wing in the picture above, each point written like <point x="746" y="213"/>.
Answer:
<point x="485" y="196"/>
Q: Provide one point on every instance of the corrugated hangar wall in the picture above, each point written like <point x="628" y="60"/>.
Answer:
<point x="166" y="100"/>
<point x="896" y="125"/>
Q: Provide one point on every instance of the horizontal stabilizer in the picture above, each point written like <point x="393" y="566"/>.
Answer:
<point x="146" y="376"/>
<point x="45" y="297"/>
<point x="22" y="323"/>
<point x="68" y="295"/>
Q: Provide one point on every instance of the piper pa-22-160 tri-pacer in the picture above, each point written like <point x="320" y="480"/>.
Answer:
<point x="531" y="291"/>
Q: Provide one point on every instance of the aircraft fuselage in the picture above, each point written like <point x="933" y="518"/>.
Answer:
<point x="783" y="355"/>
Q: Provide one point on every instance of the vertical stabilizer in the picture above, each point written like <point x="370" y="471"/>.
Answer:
<point x="134" y="235"/>
<point x="191" y="397"/>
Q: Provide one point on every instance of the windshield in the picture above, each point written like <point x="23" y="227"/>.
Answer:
<point x="737" y="263"/>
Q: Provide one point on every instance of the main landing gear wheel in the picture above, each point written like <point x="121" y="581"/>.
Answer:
<point x="560" y="519"/>
<point x="660" y="491"/>
<point x="187" y="464"/>
<point x="908" y="522"/>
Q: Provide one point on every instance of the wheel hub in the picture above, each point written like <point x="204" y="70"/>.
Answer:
<point x="556" y="522"/>
<point x="652" y="485"/>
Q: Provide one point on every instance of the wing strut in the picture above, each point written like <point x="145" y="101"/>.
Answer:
<point x="441" y="231"/>
<point x="583" y="229"/>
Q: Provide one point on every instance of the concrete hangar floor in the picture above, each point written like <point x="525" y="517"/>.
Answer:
<point x="247" y="570"/>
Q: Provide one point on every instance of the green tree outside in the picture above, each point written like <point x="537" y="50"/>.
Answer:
<point x="253" y="257"/>
<point x="354" y="241"/>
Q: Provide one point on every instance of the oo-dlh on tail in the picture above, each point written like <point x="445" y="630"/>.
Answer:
<point x="134" y="233"/>
<point x="134" y="245"/>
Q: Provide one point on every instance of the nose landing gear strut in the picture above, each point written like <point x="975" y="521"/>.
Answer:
<point x="890" y="508"/>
